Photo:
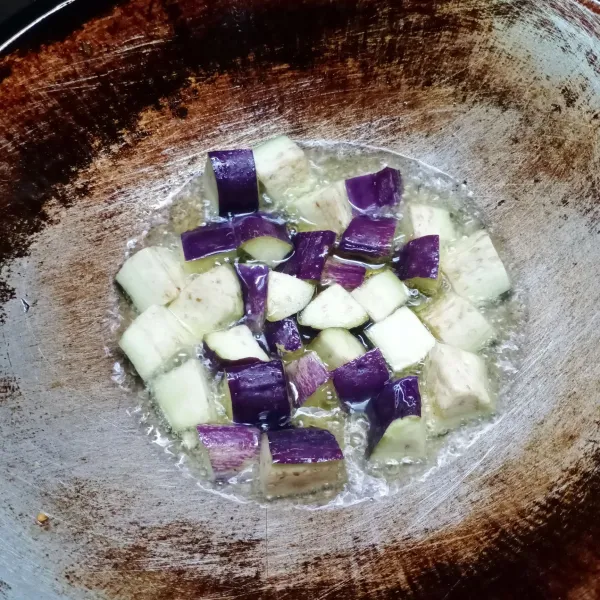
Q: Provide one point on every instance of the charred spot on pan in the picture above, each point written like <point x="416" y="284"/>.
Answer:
<point x="9" y="387"/>
<point x="570" y="96"/>
<point x="5" y="71"/>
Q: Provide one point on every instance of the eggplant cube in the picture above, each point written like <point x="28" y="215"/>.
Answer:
<point x="208" y="245"/>
<point x="333" y="307"/>
<point x="153" y="339"/>
<point x="211" y="301"/>
<point x="311" y="250"/>
<point x="475" y="269"/>
<point x="361" y="378"/>
<point x="396" y="431"/>
<point x="228" y="449"/>
<point x="336" y="347"/>
<point x="418" y="263"/>
<point x="282" y="168"/>
<point x="263" y="238"/>
<point x="236" y="345"/>
<point x="305" y="376"/>
<point x="300" y="461"/>
<point x="375" y="191"/>
<point x="347" y="274"/>
<point x="331" y="419"/>
<point x="183" y="396"/>
<point x="254" y="280"/>
<point x="455" y="321"/>
<point x="431" y="220"/>
<point x="283" y="336"/>
<point x="402" y="338"/>
<point x="325" y="209"/>
<point x="287" y="295"/>
<point x="151" y="276"/>
<point x="381" y="294"/>
<point x="368" y="238"/>
<point x="456" y="384"/>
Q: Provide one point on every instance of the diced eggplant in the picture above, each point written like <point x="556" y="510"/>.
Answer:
<point x="336" y="347"/>
<point x="235" y="346"/>
<point x="230" y="181"/>
<point x="154" y="338"/>
<point x="456" y="386"/>
<point x="347" y="274"/>
<point x="418" y="264"/>
<point x="368" y="238"/>
<point x="325" y="209"/>
<point x="300" y="461"/>
<point x="151" y="276"/>
<point x="333" y="307"/>
<point x="331" y="419"/>
<point x="183" y="396"/>
<point x="287" y="295"/>
<point x="305" y="376"/>
<point x="375" y="191"/>
<point x="402" y="338"/>
<point x="263" y="238"/>
<point x="396" y="429"/>
<point x="361" y="378"/>
<point x="254" y="280"/>
<point x="205" y="245"/>
<point x="381" y="294"/>
<point x="455" y="321"/>
<point x="210" y="302"/>
<point x="475" y="269"/>
<point x="283" y="336"/>
<point x="229" y="449"/>
<point x="256" y="394"/>
<point x="282" y="168"/>
<point x="311" y="249"/>
<point x="431" y="220"/>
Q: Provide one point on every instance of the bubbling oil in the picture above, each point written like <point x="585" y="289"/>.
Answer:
<point x="331" y="162"/>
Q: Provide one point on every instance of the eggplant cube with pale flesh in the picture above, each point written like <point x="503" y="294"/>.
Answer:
<point x="300" y="461"/>
<point x="306" y="375"/>
<point x="153" y="339"/>
<point x="234" y="346"/>
<point x="475" y="270"/>
<point x="418" y="264"/>
<point x="431" y="220"/>
<point x="207" y="246"/>
<point x="325" y="209"/>
<point x="152" y="276"/>
<point x="287" y="295"/>
<point x="456" y="384"/>
<point x="183" y="395"/>
<point x="402" y="338"/>
<point x="263" y="238"/>
<point x="381" y="294"/>
<point x="211" y="301"/>
<point x="333" y="307"/>
<point x="336" y="347"/>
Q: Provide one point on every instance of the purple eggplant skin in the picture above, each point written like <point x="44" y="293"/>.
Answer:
<point x="348" y="275"/>
<point x="259" y="394"/>
<point x="361" y="378"/>
<point x="230" y="448"/>
<point x="249" y="227"/>
<point x="215" y="363"/>
<point x="368" y="238"/>
<point x="214" y="238"/>
<point x="372" y="192"/>
<point x="399" y="398"/>
<point x="419" y="258"/>
<point x="283" y="336"/>
<point x="303" y="445"/>
<point x="237" y="184"/>
<point x="311" y="249"/>
<point x="254" y="280"/>
<point x="305" y="376"/>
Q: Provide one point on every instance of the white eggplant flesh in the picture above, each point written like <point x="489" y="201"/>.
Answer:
<point x="333" y="307"/>
<point x="235" y="344"/>
<point x="325" y="209"/>
<point x="336" y="347"/>
<point x="154" y="339"/>
<point x="431" y="220"/>
<point x="381" y="294"/>
<point x="151" y="276"/>
<point x="287" y="295"/>
<point x="404" y="439"/>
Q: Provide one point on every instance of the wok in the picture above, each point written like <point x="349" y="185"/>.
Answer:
<point x="107" y="111"/>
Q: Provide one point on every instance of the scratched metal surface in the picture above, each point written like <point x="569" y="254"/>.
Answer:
<point x="104" y="121"/>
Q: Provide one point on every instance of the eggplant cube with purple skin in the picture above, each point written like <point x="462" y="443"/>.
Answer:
<point x="311" y="251"/>
<point x="381" y="294"/>
<point x="375" y="192"/>
<point x="230" y="181"/>
<point x="347" y="274"/>
<point x="263" y="238"/>
<point x="368" y="238"/>
<point x="418" y="264"/>
<point x="211" y="301"/>
<point x="456" y="386"/>
<point x="257" y="394"/>
<point x="396" y="429"/>
<point x="254" y="281"/>
<point x="362" y="378"/>
<point x="404" y="341"/>
<point x="300" y="461"/>
<point x="228" y="450"/>
<point x="208" y="245"/>
<point x="475" y="270"/>
<point x="325" y="209"/>
<point x="151" y="276"/>
<point x="333" y="307"/>
<point x="306" y="375"/>
<point x="283" y="337"/>
<point x="234" y="346"/>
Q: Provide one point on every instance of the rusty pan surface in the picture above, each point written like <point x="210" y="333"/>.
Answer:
<point x="107" y="110"/>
